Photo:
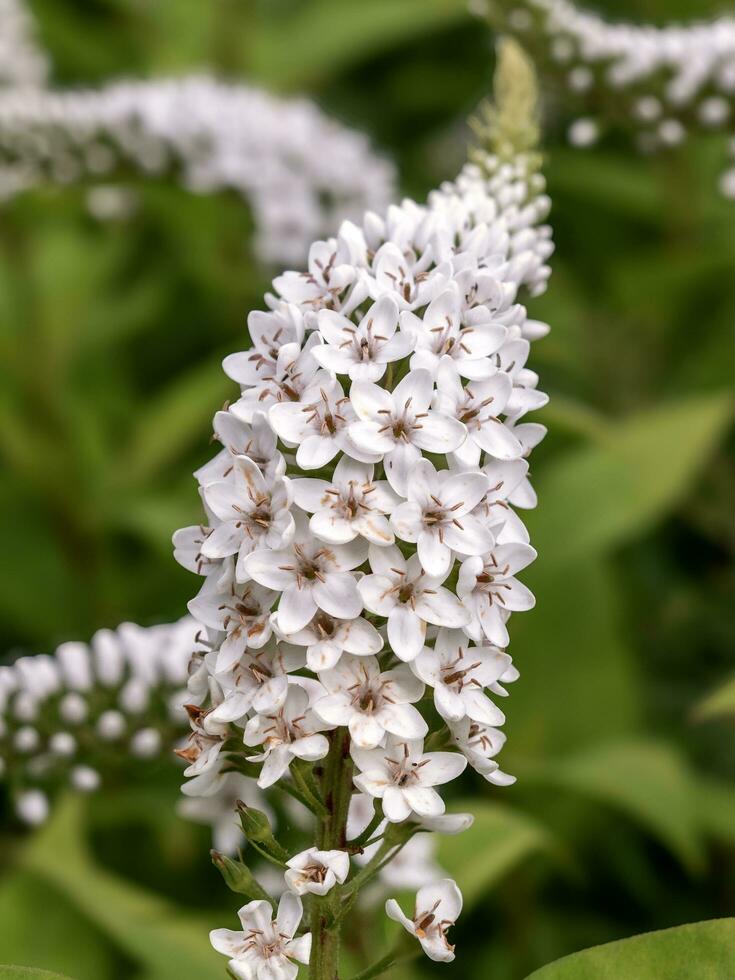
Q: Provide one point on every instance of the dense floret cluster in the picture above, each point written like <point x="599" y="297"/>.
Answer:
<point x="75" y="717"/>
<point x="362" y="540"/>
<point x="660" y="81"/>
<point x="300" y="171"/>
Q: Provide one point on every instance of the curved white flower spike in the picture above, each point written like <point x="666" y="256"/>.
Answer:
<point x="438" y="907"/>
<point x="265" y="948"/>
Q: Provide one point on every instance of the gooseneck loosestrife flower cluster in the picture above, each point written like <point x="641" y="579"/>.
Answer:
<point x="361" y="543"/>
<point x="660" y="82"/>
<point x="73" y="718"/>
<point x="300" y="171"/>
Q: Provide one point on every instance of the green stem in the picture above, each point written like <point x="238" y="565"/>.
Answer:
<point x="336" y="790"/>
<point x="300" y="778"/>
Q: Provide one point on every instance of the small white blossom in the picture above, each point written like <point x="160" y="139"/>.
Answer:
<point x="316" y="872"/>
<point x="480" y="744"/>
<point x="326" y="638"/>
<point x="436" y="515"/>
<point x="291" y="731"/>
<point x="310" y="575"/>
<point x="438" y="907"/>
<point x="399" y="425"/>
<point x="459" y="673"/>
<point x="488" y="588"/>
<point x="441" y="333"/>
<point x="362" y="350"/>
<point x="403" y="776"/>
<point x="319" y="425"/>
<point x="265" y="948"/>
<point x="371" y="703"/>
<point x="478" y="406"/>
<point x="352" y="504"/>
<point x="253" y="513"/>
<point x="401" y="591"/>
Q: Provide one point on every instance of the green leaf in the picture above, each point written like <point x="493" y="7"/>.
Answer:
<point x="699" y="951"/>
<point x="172" y="422"/>
<point x="716" y="806"/>
<point x="647" y="780"/>
<point x="168" y="942"/>
<point x="67" y="941"/>
<point x="573" y="650"/>
<point x="719" y="703"/>
<point x="596" y="498"/>
<point x="499" y="839"/>
<point x="318" y="39"/>
<point x="28" y="973"/>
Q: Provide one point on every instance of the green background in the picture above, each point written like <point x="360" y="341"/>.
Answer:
<point x="111" y="336"/>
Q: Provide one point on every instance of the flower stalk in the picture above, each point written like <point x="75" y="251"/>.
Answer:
<point x="362" y="544"/>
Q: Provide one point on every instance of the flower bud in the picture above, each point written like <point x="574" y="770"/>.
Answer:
<point x="257" y="828"/>
<point x="237" y="875"/>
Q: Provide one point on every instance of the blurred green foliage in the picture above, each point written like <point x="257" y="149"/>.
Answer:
<point x="111" y="334"/>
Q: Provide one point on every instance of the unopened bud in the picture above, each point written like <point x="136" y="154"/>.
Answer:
<point x="238" y="876"/>
<point x="257" y="828"/>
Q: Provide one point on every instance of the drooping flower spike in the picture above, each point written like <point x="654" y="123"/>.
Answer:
<point x="300" y="171"/>
<point x="660" y="82"/>
<point x="360" y="543"/>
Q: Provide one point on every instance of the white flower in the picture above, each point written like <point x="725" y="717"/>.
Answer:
<point x="401" y="591"/>
<point x="257" y="441"/>
<point x="266" y="948"/>
<point x="477" y="405"/>
<point x="294" y="373"/>
<point x="398" y="425"/>
<point x="291" y="731"/>
<point x="413" y="282"/>
<point x="437" y="909"/>
<point x="269" y="332"/>
<point x="241" y="610"/>
<point x="326" y="638"/>
<point x="371" y="703"/>
<point x="505" y="478"/>
<point x="480" y="744"/>
<point x="403" y="776"/>
<point x="329" y="274"/>
<point x="254" y="514"/>
<point x="319" y="425"/>
<point x="203" y="748"/>
<point x="459" y="674"/>
<point x="487" y="588"/>
<point x="441" y="333"/>
<point x="187" y="542"/>
<point x="437" y="516"/>
<point x="351" y="505"/>
<point x="316" y="872"/>
<point x="310" y="575"/>
<point x="362" y="350"/>
<point x="257" y="681"/>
